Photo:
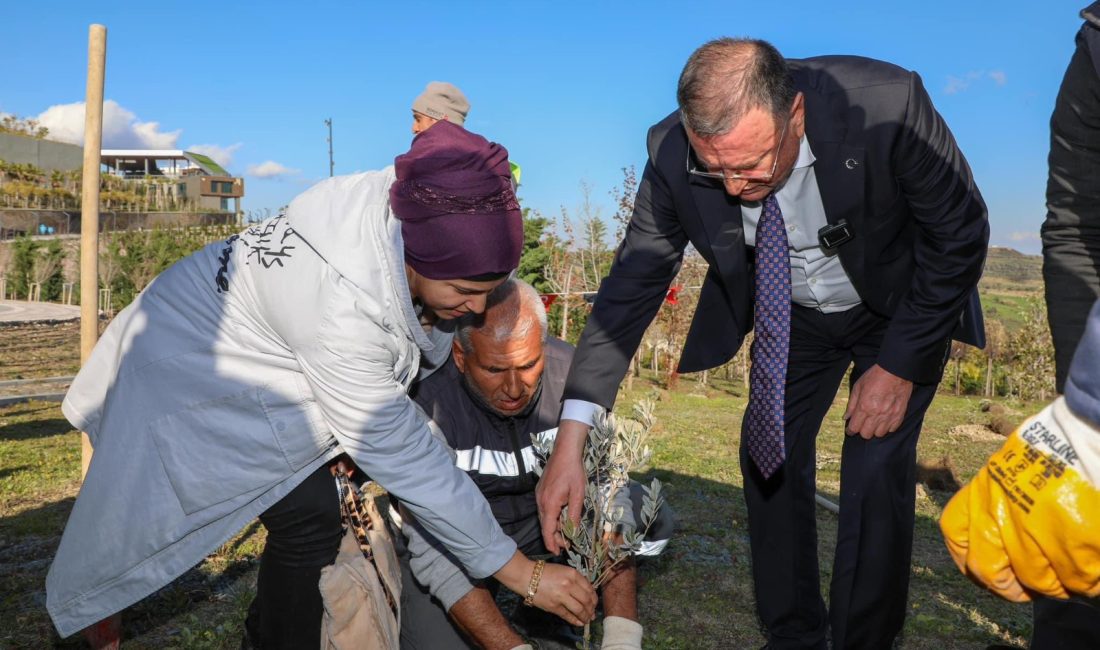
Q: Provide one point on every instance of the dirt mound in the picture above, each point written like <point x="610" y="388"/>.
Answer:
<point x="976" y="432"/>
<point x="938" y="475"/>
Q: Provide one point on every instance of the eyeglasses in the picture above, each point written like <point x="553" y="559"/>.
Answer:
<point x="749" y="175"/>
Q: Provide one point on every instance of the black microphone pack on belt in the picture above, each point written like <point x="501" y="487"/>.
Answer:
<point x="835" y="235"/>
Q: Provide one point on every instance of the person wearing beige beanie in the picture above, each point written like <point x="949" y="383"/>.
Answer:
<point x="439" y="101"/>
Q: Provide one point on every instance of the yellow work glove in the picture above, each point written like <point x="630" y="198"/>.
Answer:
<point x="1029" y="522"/>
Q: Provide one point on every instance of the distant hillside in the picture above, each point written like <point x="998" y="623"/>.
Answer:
<point x="1007" y="269"/>
<point x="1011" y="285"/>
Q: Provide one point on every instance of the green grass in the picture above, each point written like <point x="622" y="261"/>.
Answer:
<point x="697" y="595"/>
<point x="1010" y="281"/>
<point x="39" y="480"/>
<point x="1008" y="306"/>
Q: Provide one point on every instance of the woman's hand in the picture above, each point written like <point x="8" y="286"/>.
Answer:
<point x="561" y="590"/>
<point x="565" y="592"/>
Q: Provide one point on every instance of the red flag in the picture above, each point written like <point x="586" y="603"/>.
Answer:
<point x="670" y="297"/>
<point x="548" y="299"/>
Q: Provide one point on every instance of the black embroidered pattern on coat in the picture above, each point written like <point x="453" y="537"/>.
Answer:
<point x="261" y="246"/>
<point x="221" y="281"/>
<point x="260" y="240"/>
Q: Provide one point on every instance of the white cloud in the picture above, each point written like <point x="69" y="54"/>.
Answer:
<point x="270" y="169"/>
<point x="957" y="85"/>
<point x="221" y="155"/>
<point x="1024" y="236"/>
<point x="121" y="128"/>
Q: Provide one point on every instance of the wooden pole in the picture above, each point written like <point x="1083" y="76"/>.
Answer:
<point x="89" y="208"/>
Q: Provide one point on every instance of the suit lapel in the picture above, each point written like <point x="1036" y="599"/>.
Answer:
<point x="720" y="216"/>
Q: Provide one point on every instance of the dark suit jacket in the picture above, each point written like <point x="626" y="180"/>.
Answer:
<point x="885" y="162"/>
<point x="1071" y="232"/>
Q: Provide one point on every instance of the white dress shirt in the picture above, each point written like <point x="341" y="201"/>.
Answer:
<point x="818" y="280"/>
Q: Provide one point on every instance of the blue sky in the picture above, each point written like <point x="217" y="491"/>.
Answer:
<point x="570" y="88"/>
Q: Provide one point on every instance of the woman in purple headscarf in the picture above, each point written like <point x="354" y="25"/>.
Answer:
<point x="225" y="391"/>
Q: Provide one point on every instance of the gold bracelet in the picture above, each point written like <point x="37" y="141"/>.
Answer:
<point x="536" y="575"/>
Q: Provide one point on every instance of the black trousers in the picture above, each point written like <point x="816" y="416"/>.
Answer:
<point x="875" y="534"/>
<point x="303" y="536"/>
<point x="1065" y="624"/>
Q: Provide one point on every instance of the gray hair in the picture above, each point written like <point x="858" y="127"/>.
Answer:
<point x="511" y="311"/>
<point x="726" y="78"/>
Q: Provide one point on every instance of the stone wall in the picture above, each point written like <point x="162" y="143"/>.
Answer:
<point x="43" y="154"/>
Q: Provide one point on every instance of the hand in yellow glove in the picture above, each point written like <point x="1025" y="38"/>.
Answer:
<point x="1030" y="519"/>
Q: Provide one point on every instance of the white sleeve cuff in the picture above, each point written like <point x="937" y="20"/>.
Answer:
<point x="580" y="410"/>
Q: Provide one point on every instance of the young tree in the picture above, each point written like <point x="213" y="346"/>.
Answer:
<point x="624" y="201"/>
<point x="558" y="273"/>
<point x="675" y="314"/>
<point x="576" y="264"/>
<point x="20" y="271"/>
<point x="48" y="270"/>
<point x="1032" y="352"/>
<point x="601" y="543"/>
<point x="595" y="256"/>
<point x="23" y="126"/>
<point x="958" y="352"/>
<point x="996" y="340"/>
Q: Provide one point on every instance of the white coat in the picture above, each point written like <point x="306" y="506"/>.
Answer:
<point x="238" y="372"/>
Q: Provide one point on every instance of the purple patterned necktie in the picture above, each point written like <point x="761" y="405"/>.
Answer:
<point x="771" y="342"/>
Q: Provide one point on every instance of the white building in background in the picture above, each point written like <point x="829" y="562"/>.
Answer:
<point x="196" y="178"/>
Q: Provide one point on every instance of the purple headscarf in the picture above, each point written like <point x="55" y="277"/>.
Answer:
<point x="459" y="215"/>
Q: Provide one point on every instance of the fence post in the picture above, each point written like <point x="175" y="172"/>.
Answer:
<point x="105" y="301"/>
<point x="89" y="206"/>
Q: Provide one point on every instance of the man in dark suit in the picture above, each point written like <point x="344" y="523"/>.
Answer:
<point x="842" y="223"/>
<point x="1071" y="271"/>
